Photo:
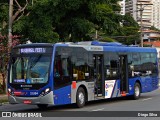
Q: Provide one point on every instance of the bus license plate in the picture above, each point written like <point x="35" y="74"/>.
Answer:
<point x="27" y="101"/>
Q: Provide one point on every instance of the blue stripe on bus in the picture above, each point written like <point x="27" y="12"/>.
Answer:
<point x="62" y="95"/>
<point x="128" y="49"/>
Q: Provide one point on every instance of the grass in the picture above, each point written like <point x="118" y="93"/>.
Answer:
<point x="2" y="92"/>
<point x="3" y="100"/>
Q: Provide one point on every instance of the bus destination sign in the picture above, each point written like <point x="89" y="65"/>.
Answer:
<point x="32" y="50"/>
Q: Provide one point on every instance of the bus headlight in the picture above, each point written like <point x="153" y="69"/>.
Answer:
<point x="46" y="91"/>
<point x="10" y="92"/>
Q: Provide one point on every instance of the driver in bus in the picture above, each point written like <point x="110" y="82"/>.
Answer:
<point x="56" y="73"/>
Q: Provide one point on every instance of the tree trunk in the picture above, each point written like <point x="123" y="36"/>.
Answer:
<point x="4" y="83"/>
<point x="10" y="23"/>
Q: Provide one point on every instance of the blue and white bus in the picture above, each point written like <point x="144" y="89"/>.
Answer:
<point x="64" y="73"/>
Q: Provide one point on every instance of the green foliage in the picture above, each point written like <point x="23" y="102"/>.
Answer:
<point x="107" y="39"/>
<point x="4" y="100"/>
<point x="128" y="32"/>
<point x="154" y="28"/>
<point x="71" y="20"/>
<point x="3" y="16"/>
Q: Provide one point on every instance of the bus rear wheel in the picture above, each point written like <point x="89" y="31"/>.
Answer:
<point x="137" y="91"/>
<point x="80" y="97"/>
<point x="42" y="106"/>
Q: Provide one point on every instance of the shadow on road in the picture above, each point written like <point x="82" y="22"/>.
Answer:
<point x="73" y="107"/>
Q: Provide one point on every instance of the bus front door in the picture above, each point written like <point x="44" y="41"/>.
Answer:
<point x="124" y="85"/>
<point x="99" y="74"/>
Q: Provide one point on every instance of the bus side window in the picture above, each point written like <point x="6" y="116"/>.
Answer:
<point x="82" y="64"/>
<point x="113" y="69"/>
<point x="111" y="66"/>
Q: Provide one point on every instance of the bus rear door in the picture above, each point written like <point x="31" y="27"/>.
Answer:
<point x="123" y="69"/>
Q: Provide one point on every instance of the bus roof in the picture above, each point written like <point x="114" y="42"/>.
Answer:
<point x="100" y="46"/>
<point x="35" y="45"/>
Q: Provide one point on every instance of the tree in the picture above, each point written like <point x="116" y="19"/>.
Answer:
<point x="4" y="56"/>
<point x="16" y="10"/>
<point x="128" y="33"/>
<point x="67" y="20"/>
<point x="154" y="28"/>
<point x="3" y="16"/>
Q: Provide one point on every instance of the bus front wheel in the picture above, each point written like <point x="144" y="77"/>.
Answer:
<point x="42" y="106"/>
<point x="137" y="91"/>
<point x="80" y="97"/>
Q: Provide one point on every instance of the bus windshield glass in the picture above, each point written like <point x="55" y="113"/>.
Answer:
<point x="30" y="69"/>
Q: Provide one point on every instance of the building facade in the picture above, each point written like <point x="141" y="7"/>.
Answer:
<point x="151" y="35"/>
<point x="156" y="14"/>
<point x="122" y="4"/>
<point x="135" y="7"/>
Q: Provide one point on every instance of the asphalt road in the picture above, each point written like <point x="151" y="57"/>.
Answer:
<point x="147" y="102"/>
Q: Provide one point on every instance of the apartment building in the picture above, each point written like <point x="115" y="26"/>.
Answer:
<point x="122" y="4"/>
<point x="156" y="14"/>
<point x="134" y="7"/>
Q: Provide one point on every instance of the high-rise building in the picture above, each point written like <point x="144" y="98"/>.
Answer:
<point x="122" y="4"/>
<point x="130" y="8"/>
<point x="134" y="7"/>
<point x="156" y="14"/>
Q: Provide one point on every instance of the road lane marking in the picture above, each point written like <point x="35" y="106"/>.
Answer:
<point x="98" y="109"/>
<point x="146" y="99"/>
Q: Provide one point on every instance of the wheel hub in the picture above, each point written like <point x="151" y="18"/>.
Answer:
<point x="137" y="91"/>
<point x="81" y="98"/>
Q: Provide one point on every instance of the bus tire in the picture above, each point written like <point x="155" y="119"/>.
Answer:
<point x="80" y="97"/>
<point x="42" y="106"/>
<point x="137" y="91"/>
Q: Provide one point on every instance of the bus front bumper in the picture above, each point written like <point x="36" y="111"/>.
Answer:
<point x="47" y="99"/>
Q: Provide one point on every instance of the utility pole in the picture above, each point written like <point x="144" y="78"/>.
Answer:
<point x="141" y="29"/>
<point x="96" y="34"/>
<point x="10" y="23"/>
<point x="141" y="9"/>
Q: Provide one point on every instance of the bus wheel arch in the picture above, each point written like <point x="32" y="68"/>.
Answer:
<point x="137" y="90"/>
<point x="137" y="81"/>
<point x="81" y="91"/>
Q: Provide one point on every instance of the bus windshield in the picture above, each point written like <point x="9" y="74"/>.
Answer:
<point x="30" y="69"/>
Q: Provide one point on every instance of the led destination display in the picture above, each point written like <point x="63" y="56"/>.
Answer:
<point x="33" y="50"/>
